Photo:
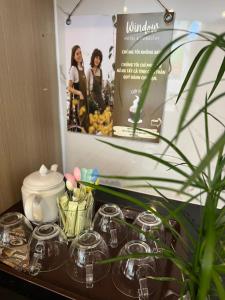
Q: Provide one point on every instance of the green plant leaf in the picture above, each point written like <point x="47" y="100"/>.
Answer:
<point x="221" y="185"/>
<point x="206" y="160"/>
<point x="165" y="254"/>
<point x="198" y="73"/>
<point x="161" y="161"/>
<point x="179" y="219"/>
<point x="178" y="164"/>
<point x="160" y="187"/>
<point x="137" y="178"/>
<point x="194" y="143"/>
<point x="218" y="281"/>
<point x="206" y="253"/>
<point x="173" y="146"/>
<point x="190" y="71"/>
<point x="164" y="279"/>
<point x="147" y="82"/>
<point x="196" y="115"/>
<point x="118" y="195"/>
<point x="220" y="268"/>
<point x="161" y="62"/>
<point x="185" y="91"/>
<point x="209" y="103"/>
<point x="219" y="168"/>
<point x="157" y="62"/>
<point x="216" y="119"/>
<point x="199" y="85"/>
<point x="207" y="136"/>
<point x="184" y="267"/>
<point x="219" y="77"/>
<point x="177" y="150"/>
<point x="137" y="203"/>
<point x="201" y="273"/>
<point x="148" y="235"/>
<point x="124" y="257"/>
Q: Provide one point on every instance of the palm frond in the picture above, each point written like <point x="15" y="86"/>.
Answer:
<point x="201" y="110"/>
<point x="207" y="136"/>
<point x="197" y="75"/>
<point x="218" y="281"/>
<point x="219" y="77"/>
<point x="159" y="187"/>
<point x="207" y="254"/>
<point x="139" y="153"/>
<point x="147" y="83"/>
<point x="205" y="161"/>
<point x="216" y="119"/>
<point x="142" y="178"/>
<point x="190" y="71"/>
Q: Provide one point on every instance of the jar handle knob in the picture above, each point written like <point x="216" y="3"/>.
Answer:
<point x="54" y="167"/>
<point x="43" y="170"/>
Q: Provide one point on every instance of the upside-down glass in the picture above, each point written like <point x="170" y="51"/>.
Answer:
<point x="47" y="248"/>
<point x="152" y="230"/>
<point x="130" y="276"/>
<point x="85" y="250"/>
<point x="15" y="231"/>
<point x="105" y="222"/>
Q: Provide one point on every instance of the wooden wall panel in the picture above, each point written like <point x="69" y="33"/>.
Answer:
<point x="29" y="116"/>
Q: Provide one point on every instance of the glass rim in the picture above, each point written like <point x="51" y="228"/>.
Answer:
<point x="156" y="221"/>
<point x="87" y="233"/>
<point x="15" y="217"/>
<point x="140" y="244"/>
<point x="114" y="207"/>
<point x="46" y="231"/>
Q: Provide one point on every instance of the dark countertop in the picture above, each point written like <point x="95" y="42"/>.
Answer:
<point x="14" y="287"/>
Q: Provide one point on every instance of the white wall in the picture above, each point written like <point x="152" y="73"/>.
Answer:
<point x="84" y="150"/>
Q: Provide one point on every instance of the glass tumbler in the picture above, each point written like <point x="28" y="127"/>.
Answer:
<point x="47" y="248"/>
<point x="85" y="250"/>
<point x="105" y="222"/>
<point x="152" y="230"/>
<point x="130" y="276"/>
<point x="15" y="231"/>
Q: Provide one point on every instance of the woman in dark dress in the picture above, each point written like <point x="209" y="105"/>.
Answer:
<point x="78" y="110"/>
<point x="95" y="83"/>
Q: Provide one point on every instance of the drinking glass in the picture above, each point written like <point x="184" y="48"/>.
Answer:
<point x="152" y="230"/>
<point x="15" y="231"/>
<point x="85" y="250"/>
<point x="130" y="276"/>
<point x="47" y="248"/>
<point x="105" y="222"/>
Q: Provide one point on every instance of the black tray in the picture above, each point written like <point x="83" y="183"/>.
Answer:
<point x="59" y="283"/>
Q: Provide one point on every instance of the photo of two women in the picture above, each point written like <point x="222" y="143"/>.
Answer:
<point x="90" y="97"/>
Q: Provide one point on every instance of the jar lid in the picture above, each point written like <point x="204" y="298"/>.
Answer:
<point x="43" y="179"/>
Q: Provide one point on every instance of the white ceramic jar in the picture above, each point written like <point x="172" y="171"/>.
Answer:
<point x="39" y="193"/>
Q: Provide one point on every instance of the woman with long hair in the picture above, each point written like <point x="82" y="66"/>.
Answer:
<point x="95" y="82"/>
<point x="77" y="86"/>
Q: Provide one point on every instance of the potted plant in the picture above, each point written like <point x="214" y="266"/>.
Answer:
<point x="204" y="271"/>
